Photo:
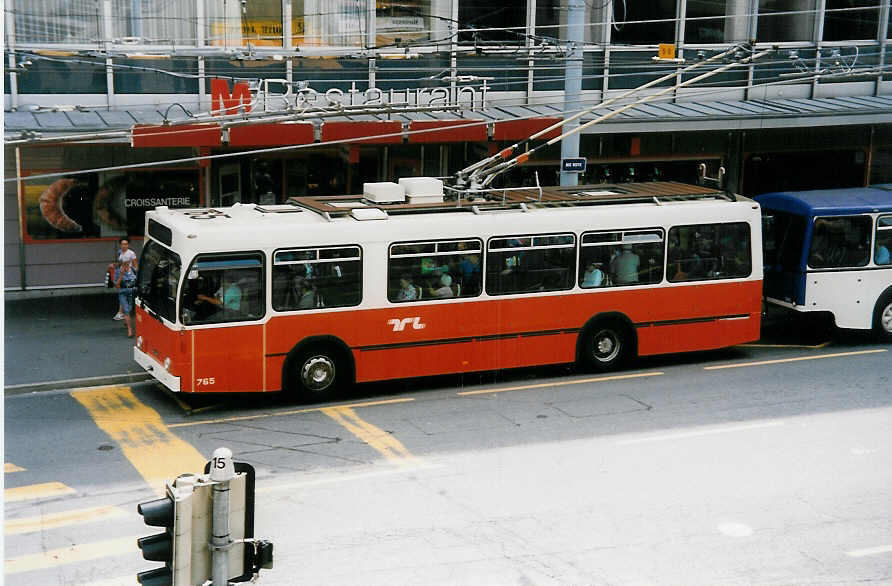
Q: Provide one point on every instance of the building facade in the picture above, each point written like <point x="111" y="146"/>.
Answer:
<point x="115" y="106"/>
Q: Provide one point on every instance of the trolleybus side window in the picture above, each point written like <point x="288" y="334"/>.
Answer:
<point x="424" y="271"/>
<point x="159" y="275"/>
<point x="840" y="241"/>
<point x="621" y="258"/>
<point x="223" y="288"/>
<point x="883" y="246"/>
<point x="309" y="278"/>
<point x="709" y="251"/>
<point x="530" y="263"/>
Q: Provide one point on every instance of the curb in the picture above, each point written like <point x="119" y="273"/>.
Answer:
<point x="93" y="381"/>
<point x="56" y="292"/>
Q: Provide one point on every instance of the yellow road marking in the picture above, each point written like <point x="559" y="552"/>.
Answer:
<point x="145" y="440"/>
<point x="377" y="438"/>
<point x="797" y="359"/>
<point x="561" y="383"/>
<point x="289" y="412"/>
<point x="809" y="347"/>
<point x="56" y="520"/>
<point x="10" y="467"/>
<point x="36" y="491"/>
<point x="70" y="555"/>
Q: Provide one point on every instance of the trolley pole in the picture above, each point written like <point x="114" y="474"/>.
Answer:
<point x="222" y="471"/>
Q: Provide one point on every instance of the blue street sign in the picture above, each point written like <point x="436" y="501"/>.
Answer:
<point x="573" y="165"/>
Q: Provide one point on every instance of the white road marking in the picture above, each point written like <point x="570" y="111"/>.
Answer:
<point x="860" y="553"/>
<point x="332" y="479"/>
<point x="699" y="433"/>
<point x="735" y="529"/>
<point x="121" y="581"/>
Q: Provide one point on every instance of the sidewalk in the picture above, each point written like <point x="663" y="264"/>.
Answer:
<point x="66" y="341"/>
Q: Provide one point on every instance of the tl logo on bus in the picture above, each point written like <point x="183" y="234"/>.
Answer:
<point x="400" y="324"/>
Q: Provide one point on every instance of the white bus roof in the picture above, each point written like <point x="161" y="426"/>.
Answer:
<point x="332" y="220"/>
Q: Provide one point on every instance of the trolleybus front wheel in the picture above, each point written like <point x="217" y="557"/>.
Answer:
<point x="606" y="345"/>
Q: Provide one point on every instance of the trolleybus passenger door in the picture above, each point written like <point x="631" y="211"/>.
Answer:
<point x="784" y="246"/>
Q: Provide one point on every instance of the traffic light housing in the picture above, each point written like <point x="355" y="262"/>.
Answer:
<point x="186" y="513"/>
<point x="159" y="547"/>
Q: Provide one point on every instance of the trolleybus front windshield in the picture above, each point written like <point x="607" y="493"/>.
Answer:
<point x="159" y="274"/>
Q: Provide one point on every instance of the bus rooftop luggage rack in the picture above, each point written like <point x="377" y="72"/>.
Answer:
<point x="332" y="206"/>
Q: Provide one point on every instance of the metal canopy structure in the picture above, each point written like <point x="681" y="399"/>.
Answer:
<point x="651" y="117"/>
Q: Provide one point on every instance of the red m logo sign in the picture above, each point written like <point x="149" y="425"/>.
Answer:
<point x="224" y="102"/>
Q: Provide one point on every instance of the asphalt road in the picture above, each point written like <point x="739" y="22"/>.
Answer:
<point x="752" y="465"/>
<point x="65" y="338"/>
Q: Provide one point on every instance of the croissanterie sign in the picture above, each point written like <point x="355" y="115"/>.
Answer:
<point x="103" y="205"/>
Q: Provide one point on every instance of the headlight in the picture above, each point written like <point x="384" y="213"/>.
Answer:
<point x="139" y="342"/>
<point x="167" y="363"/>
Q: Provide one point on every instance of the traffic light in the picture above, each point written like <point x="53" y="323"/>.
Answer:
<point x="174" y="513"/>
<point x="208" y="523"/>
<point x="159" y="547"/>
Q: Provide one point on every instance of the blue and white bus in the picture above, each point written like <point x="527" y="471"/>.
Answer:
<point x="828" y="251"/>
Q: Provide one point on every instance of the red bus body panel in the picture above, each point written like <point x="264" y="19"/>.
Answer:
<point x="425" y="339"/>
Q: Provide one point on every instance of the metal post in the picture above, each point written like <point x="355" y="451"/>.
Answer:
<point x="9" y="17"/>
<point x="222" y="471"/>
<point x="573" y="82"/>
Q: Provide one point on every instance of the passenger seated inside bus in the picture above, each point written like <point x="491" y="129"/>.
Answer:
<point x="828" y="244"/>
<point x="840" y="242"/>
<point x="624" y="267"/>
<point x="593" y="276"/>
<point x="304" y="293"/>
<point x="883" y="241"/>
<point x="881" y="255"/>
<point x="444" y="290"/>
<point x="407" y="291"/>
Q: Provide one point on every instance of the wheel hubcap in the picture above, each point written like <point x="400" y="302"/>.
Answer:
<point x="606" y="346"/>
<point x="886" y="318"/>
<point x="317" y="373"/>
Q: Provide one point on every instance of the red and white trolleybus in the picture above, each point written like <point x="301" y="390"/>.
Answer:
<point x="322" y="292"/>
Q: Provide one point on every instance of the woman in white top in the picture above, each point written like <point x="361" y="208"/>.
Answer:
<point x="126" y="282"/>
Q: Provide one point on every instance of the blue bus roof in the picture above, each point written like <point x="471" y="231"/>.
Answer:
<point x="830" y="202"/>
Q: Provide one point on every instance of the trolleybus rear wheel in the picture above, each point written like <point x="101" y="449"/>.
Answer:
<point x="605" y="346"/>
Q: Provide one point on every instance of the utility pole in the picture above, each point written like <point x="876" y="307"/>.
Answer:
<point x="573" y="83"/>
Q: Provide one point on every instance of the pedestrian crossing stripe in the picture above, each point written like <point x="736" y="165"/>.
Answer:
<point x="13" y="526"/>
<point x="36" y="491"/>
<point x="70" y="555"/>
